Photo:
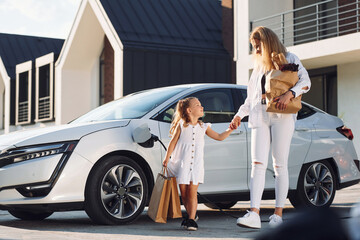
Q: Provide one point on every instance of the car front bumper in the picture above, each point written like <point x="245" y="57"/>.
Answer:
<point x="64" y="190"/>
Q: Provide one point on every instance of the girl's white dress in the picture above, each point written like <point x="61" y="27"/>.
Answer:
<point x="187" y="159"/>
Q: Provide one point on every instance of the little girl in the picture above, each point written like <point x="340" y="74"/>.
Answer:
<point x="186" y="149"/>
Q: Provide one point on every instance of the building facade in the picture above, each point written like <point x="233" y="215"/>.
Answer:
<point x="119" y="47"/>
<point x="27" y="81"/>
<point x="324" y="35"/>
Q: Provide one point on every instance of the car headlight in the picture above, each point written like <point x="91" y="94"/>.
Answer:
<point x="15" y="155"/>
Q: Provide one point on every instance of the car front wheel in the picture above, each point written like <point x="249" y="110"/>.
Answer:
<point x="316" y="186"/>
<point x="116" y="191"/>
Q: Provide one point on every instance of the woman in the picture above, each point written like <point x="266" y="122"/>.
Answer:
<point x="266" y="128"/>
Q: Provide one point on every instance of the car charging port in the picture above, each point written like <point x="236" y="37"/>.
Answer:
<point x="144" y="137"/>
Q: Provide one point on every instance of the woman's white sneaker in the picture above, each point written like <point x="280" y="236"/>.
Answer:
<point x="250" y="219"/>
<point x="275" y="220"/>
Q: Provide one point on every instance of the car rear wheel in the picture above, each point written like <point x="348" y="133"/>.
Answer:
<point x="316" y="186"/>
<point x="222" y="205"/>
<point x="28" y="215"/>
<point x="116" y="191"/>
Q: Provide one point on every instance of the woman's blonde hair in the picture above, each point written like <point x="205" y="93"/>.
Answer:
<point x="269" y="43"/>
<point x="181" y="113"/>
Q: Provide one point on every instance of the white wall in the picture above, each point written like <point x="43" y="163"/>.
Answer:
<point x="77" y="76"/>
<point x="328" y="52"/>
<point x="76" y="94"/>
<point x="241" y="41"/>
<point x="264" y="8"/>
<point x="94" y="81"/>
<point x="78" y="63"/>
<point x="260" y="9"/>
<point x="348" y="99"/>
<point x="2" y="101"/>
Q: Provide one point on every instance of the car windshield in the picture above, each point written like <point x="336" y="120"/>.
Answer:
<point x="131" y="106"/>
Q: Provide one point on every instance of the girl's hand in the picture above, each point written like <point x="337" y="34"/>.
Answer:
<point x="165" y="162"/>
<point x="283" y="100"/>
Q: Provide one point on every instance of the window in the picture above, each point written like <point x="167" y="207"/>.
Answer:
<point x="23" y="93"/>
<point x="315" y="20"/>
<point x="44" y="88"/>
<point x="323" y="92"/>
<point x="305" y="112"/>
<point x="241" y="95"/>
<point x="218" y="106"/>
<point x="167" y="115"/>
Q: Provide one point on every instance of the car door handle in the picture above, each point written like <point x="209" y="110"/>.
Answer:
<point x="237" y="132"/>
<point x="302" y="129"/>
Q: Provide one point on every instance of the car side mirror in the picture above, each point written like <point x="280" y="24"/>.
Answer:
<point x="143" y="136"/>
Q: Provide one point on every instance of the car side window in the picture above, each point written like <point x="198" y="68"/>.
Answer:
<point x="218" y="106"/>
<point x="241" y="95"/>
<point x="167" y="114"/>
<point x="305" y="112"/>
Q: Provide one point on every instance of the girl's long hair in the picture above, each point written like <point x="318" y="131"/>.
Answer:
<point x="181" y="113"/>
<point x="269" y="43"/>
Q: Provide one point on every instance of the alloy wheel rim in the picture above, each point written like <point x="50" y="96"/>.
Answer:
<point x="318" y="184"/>
<point x="122" y="191"/>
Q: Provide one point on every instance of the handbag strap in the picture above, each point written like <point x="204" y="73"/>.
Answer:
<point x="165" y="171"/>
<point x="263" y="79"/>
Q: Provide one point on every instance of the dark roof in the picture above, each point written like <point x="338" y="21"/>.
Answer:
<point x="15" y="49"/>
<point x="175" y="24"/>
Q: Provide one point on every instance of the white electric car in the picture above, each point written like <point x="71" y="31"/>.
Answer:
<point x="102" y="162"/>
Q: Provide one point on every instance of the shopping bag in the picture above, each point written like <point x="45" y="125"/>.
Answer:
<point x="174" y="202"/>
<point x="280" y="80"/>
<point x="159" y="200"/>
<point x="277" y="83"/>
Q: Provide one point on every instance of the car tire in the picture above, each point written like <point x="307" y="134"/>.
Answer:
<point x="316" y="186"/>
<point x="116" y="191"/>
<point x="222" y="205"/>
<point x="29" y="215"/>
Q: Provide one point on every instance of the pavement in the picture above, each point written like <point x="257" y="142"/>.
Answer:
<point x="212" y="223"/>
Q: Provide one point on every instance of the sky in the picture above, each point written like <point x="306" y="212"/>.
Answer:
<point x="44" y="18"/>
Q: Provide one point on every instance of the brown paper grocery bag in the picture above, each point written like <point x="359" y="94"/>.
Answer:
<point x="159" y="201"/>
<point x="277" y="83"/>
<point x="174" y="205"/>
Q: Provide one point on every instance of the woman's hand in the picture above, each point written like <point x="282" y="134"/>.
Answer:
<point x="283" y="100"/>
<point x="235" y="123"/>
